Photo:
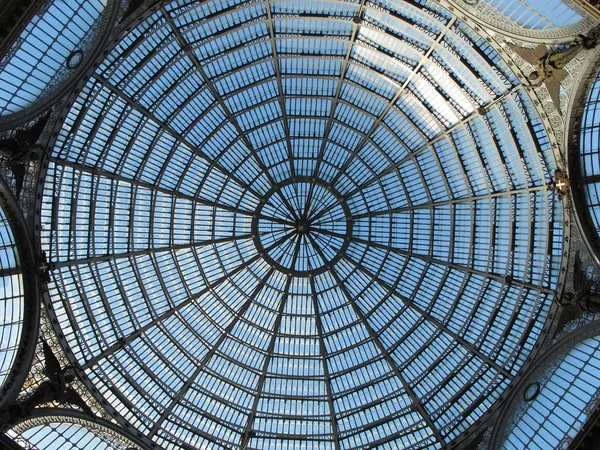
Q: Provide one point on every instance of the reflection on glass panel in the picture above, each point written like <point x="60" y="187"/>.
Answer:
<point x="11" y="298"/>
<point x="558" y="410"/>
<point x="538" y="14"/>
<point x="48" y="44"/>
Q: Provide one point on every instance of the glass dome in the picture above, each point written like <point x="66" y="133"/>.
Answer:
<point x="589" y="161"/>
<point x="54" y="428"/>
<point x="308" y="225"/>
<point x="561" y="405"/>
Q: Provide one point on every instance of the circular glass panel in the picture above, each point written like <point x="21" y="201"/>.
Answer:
<point x="531" y="391"/>
<point x="74" y="59"/>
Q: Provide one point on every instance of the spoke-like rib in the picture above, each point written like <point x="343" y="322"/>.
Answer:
<point x="178" y="136"/>
<point x="125" y="340"/>
<point x="454" y="201"/>
<point x="281" y="98"/>
<point x="150" y="251"/>
<point x="394" y="167"/>
<point x="323" y="349"/>
<point x="335" y="101"/>
<point x="392" y="364"/>
<point x="151" y="187"/>
<point x="435" y="322"/>
<point x="121" y="342"/>
<point x="232" y="119"/>
<point x="184" y="389"/>
<point x="441" y="262"/>
<point x="393" y="101"/>
<point x="246" y="435"/>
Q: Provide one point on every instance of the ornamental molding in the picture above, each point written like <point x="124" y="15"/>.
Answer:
<point x="485" y="13"/>
<point x="540" y="371"/>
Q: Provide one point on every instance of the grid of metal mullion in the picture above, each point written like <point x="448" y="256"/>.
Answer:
<point x="37" y="57"/>
<point x="374" y="179"/>
<point x="381" y="347"/>
<point x="12" y="304"/>
<point x="419" y="150"/>
<point x="230" y="117"/>
<point x="416" y="152"/>
<point x="246" y="435"/>
<point x="441" y="262"/>
<point x="135" y="105"/>
<point x="338" y="90"/>
<point x="588" y="153"/>
<point x="120" y="343"/>
<point x="202" y="364"/>
<point x="439" y="325"/>
<point x="397" y="95"/>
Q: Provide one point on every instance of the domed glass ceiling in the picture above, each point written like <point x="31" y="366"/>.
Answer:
<point x="11" y="299"/>
<point x="32" y="66"/>
<point x="309" y="224"/>
<point x="589" y="153"/>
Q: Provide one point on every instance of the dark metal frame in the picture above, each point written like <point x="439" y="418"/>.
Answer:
<point x="61" y="415"/>
<point x="331" y="121"/>
<point x="31" y="286"/>
<point x="300" y="223"/>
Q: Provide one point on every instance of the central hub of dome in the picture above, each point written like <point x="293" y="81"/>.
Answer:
<point x="302" y="226"/>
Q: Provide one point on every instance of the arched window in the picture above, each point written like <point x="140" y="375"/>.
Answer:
<point x="50" y="52"/>
<point x="589" y="158"/>
<point x="19" y="298"/>
<point x="12" y="299"/>
<point x="535" y="19"/>
<point x="557" y="394"/>
<point x="53" y="428"/>
<point x="560" y="404"/>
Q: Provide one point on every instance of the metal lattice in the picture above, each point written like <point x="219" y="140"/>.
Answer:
<point x="301" y="225"/>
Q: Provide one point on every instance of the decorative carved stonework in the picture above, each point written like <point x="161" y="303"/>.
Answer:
<point x="571" y="316"/>
<point x="551" y="76"/>
<point x="37" y="376"/>
<point x="560" y="185"/>
<point x="583" y="294"/>
<point x="55" y="388"/>
<point x="490" y="15"/>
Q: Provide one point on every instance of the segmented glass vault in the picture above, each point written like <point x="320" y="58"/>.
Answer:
<point x="589" y="150"/>
<point x="309" y="224"/>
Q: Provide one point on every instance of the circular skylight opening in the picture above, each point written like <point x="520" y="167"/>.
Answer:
<point x="74" y="59"/>
<point x="302" y="226"/>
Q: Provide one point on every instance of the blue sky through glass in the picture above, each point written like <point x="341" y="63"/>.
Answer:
<point x="407" y="338"/>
